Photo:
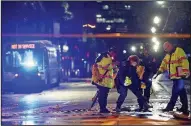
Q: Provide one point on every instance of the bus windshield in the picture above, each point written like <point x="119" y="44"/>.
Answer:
<point x="23" y="58"/>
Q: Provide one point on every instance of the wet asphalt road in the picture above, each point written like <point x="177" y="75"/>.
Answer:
<point x="56" y="105"/>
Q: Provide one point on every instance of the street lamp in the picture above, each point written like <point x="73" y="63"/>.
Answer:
<point x="105" y="7"/>
<point x="160" y="2"/>
<point x="65" y="48"/>
<point x="154" y="39"/>
<point x="157" y="43"/>
<point x="98" y="16"/>
<point x="124" y="51"/>
<point x="141" y="47"/>
<point x="133" y="48"/>
<point x="156" y="20"/>
<point x="153" y="29"/>
<point x="108" y="27"/>
<point x="155" y="48"/>
<point x="128" y="7"/>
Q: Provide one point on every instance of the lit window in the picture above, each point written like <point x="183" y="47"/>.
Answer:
<point x="105" y="7"/>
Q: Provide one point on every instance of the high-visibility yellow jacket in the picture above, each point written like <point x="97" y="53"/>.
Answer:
<point x="171" y="62"/>
<point x="95" y="74"/>
<point x="108" y="79"/>
<point x="140" y="71"/>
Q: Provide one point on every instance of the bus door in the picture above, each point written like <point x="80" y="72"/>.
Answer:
<point x="53" y="66"/>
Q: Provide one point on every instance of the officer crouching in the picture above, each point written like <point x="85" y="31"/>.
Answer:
<point x="127" y="78"/>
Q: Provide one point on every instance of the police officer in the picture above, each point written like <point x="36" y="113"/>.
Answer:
<point x="149" y="64"/>
<point x="107" y="70"/>
<point x="177" y="65"/>
<point x="128" y="79"/>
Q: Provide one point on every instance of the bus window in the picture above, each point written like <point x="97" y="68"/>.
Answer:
<point x="7" y="63"/>
<point x="53" y="63"/>
<point x="39" y="59"/>
<point x="17" y="58"/>
<point x="45" y="57"/>
<point x="24" y="58"/>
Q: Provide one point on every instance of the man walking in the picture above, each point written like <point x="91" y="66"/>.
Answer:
<point x="177" y="65"/>
<point x="103" y="77"/>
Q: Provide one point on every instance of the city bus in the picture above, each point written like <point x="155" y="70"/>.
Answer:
<point x="31" y="63"/>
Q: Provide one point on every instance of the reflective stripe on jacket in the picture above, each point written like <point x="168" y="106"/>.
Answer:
<point x="171" y="62"/>
<point x="140" y="71"/>
<point x="104" y="65"/>
<point x="128" y="73"/>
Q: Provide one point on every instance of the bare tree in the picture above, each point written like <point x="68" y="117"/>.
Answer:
<point x="67" y="14"/>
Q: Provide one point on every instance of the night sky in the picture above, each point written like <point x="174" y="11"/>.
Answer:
<point x="139" y="19"/>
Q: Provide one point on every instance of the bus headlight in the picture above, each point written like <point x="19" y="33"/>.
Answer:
<point x="16" y="75"/>
<point x="39" y="74"/>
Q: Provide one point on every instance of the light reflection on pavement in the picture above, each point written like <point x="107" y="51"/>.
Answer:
<point x="69" y="104"/>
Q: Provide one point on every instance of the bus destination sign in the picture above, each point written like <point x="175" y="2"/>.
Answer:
<point x="23" y="46"/>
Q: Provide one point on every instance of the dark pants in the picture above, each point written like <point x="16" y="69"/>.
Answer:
<point x="102" y="97"/>
<point x="178" y="90"/>
<point x="147" y="89"/>
<point x="122" y="90"/>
